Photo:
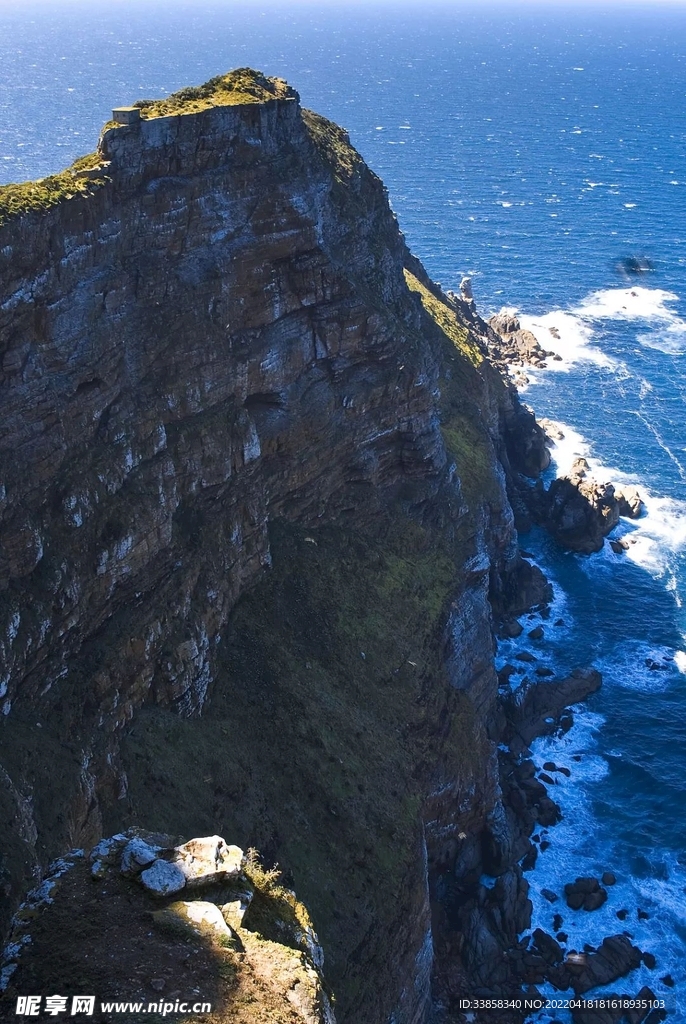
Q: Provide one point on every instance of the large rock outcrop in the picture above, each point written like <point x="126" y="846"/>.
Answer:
<point x="234" y="948"/>
<point x="253" y="506"/>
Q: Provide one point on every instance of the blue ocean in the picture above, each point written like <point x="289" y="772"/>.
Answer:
<point x="535" y="149"/>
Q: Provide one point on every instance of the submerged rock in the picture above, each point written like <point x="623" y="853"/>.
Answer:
<point x="585" y="893"/>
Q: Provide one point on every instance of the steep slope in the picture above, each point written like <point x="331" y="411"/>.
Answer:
<point x="253" y="508"/>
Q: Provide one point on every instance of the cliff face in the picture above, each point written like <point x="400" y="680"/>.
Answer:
<point x="252" y="506"/>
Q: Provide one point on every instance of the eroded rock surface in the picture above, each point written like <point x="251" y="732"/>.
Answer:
<point x="254" y="507"/>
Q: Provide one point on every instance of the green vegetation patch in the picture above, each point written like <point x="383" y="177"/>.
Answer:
<point x="314" y="747"/>
<point x="464" y="396"/>
<point x="29" y="196"/>
<point x="447" y="320"/>
<point x="275" y="912"/>
<point x="240" y="86"/>
<point x="334" y="144"/>
<point x="474" y="457"/>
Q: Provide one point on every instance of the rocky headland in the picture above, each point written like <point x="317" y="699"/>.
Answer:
<point x="260" y="483"/>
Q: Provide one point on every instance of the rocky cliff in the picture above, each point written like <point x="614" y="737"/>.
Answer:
<point x="254" y="526"/>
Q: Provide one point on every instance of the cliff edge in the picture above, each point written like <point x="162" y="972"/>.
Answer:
<point x="254" y="522"/>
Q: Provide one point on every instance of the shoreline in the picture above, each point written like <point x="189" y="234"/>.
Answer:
<point x="634" y="968"/>
<point x="538" y="705"/>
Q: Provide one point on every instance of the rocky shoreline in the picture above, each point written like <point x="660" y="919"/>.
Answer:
<point x="487" y="902"/>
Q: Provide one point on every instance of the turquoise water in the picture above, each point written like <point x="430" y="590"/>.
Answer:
<point x="534" y="150"/>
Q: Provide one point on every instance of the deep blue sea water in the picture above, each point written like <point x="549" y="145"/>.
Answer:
<point x="533" y="148"/>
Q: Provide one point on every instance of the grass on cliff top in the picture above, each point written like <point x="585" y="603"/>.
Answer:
<point x="240" y="86"/>
<point x="447" y="320"/>
<point x="27" y="196"/>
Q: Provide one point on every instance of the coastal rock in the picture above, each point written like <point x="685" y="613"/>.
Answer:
<point x="629" y="502"/>
<point x="638" y="1015"/>
<point x="585" y="893"/>
<point x="466" y="289"/>
<point x="578" y="511"/>
<point x="552" y="429"/>
<point x="614" y="958"/>
<point x="515" y="347"/>
<point x="550" y="950"/>
<point x="536" y="707"/>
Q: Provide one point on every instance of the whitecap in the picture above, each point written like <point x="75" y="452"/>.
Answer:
<point x="654" y="539"/>
<point x="671" y="340"/>
<point x="566" y="449"/>
<point x="637" y="303"/>
<point x="630" y="667"/>
<point x="571" y="338"/>
<point x="650" y="304"/>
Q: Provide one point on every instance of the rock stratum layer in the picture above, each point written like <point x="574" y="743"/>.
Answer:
<point x="253" y="524"/>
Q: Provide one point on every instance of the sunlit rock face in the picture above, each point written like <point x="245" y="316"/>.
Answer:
<point x="212" y="344"/>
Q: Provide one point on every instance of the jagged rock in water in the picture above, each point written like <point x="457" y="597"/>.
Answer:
<point x="578" y="511"/>
<point x="466" y="289"/>
<point x="630" y="502"/>
<point x="585" y="893"/>
<point x="535" y="707"/>
<point x="515" y="346"/>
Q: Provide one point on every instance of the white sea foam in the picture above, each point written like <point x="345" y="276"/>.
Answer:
<point x="573" y="329"/>
<point x="547" y="648"/>
<point x="627" y="304"/>
<point x="580" y="846"/>
<point x="567" y="448"/>
<point x="670" y="339"/>
<point x="668" y="330"/>
<point x="571" y="338"/>
<point x="656" y="537"/>
<point x="630" y="667"/>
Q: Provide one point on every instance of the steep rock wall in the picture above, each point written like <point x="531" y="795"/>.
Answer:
<point x="252" y="506"/>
